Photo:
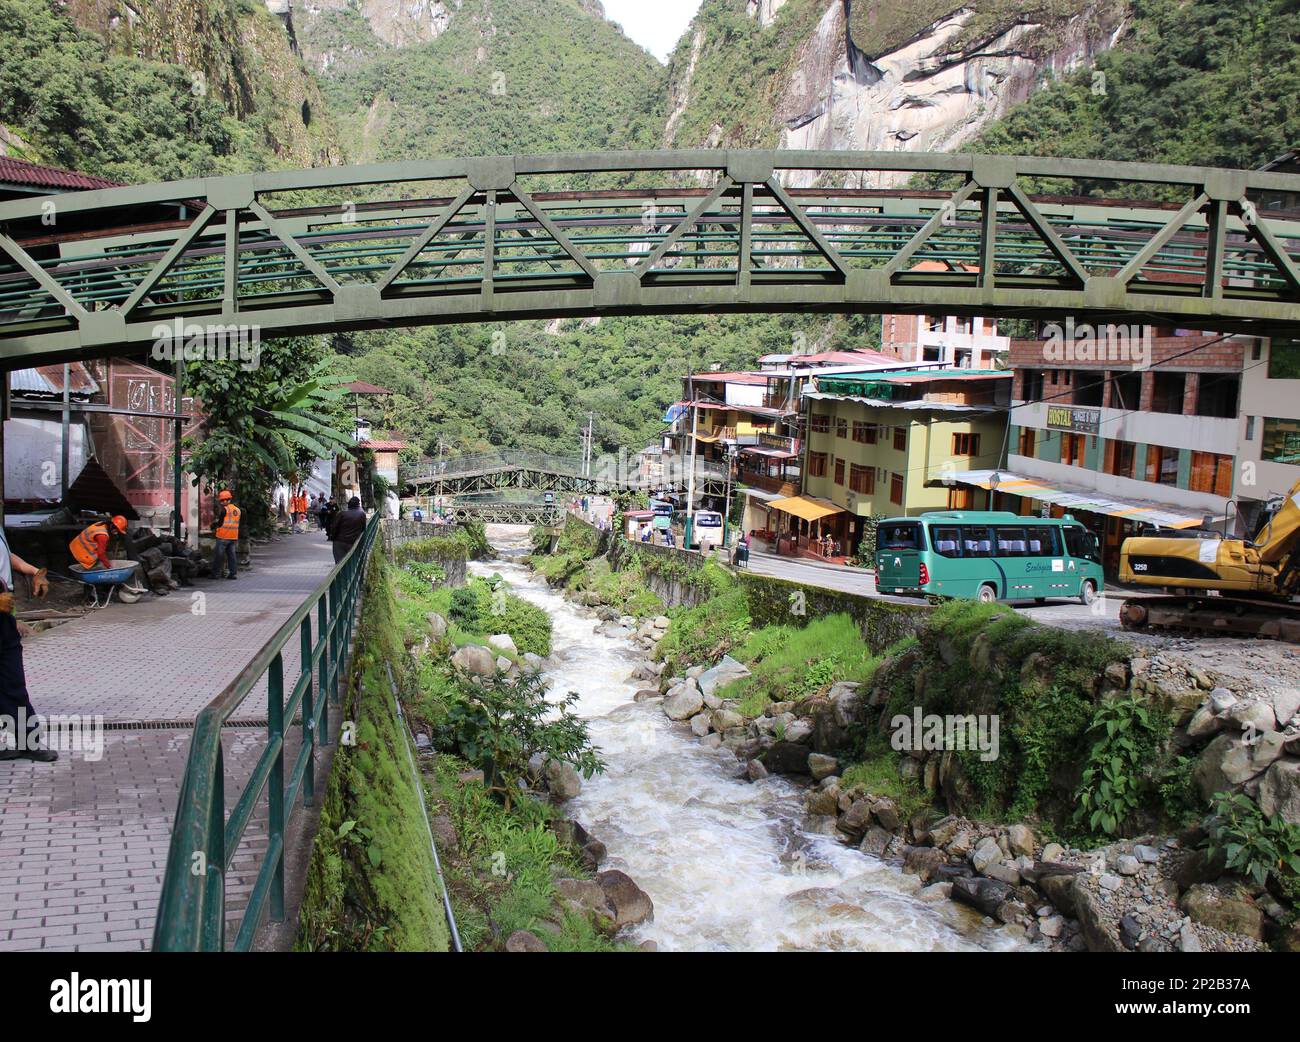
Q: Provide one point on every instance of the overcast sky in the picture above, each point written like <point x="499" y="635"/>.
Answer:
<point x="656" y="25"/>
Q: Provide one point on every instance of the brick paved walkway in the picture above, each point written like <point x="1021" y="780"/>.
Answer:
<point x="83" y="843"/>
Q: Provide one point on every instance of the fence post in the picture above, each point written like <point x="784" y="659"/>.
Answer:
<point x="308" y="710"/>
<point x="275" y="783"/>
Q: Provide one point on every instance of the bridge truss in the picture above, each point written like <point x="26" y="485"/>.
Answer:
<point x="514" y="237"/>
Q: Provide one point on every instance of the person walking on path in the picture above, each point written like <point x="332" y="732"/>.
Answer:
<point x="227" y="534"/>
<point x="346" y="528"/>
<point x="15" y="702"/>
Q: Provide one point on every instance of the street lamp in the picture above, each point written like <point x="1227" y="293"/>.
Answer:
<point x="995" y="479"/>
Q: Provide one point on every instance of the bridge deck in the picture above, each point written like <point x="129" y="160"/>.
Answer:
<point x="83" y="844"/>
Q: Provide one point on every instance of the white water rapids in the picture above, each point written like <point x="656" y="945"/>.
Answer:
<point x="729" y="864"/>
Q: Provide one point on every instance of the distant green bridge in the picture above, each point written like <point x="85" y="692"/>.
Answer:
<point x="501" y="238"/>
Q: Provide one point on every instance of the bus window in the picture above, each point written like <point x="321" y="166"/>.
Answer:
<point x="900" y="537"/>
<point x="1043" y="541"/>
<point x="976" y="542"/>
<point x="1080" y="543"/>
<point x="1011" y="541"/>
<point x="947" y="541"/>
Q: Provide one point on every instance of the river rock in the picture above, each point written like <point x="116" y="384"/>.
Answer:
<point x="935" y="892"/>
<point x="475" y="660"/>
<point x="584" y="896"/>
<point x="695" y="672"/>
<point x="1204" y="723"/>
<point x="1279" y="792"/>
<point x="1223" y="765"/>
<point x="1221" y="699"/>
<point x="1256" y="715"/>
<point x="660" y="622"/>
<point x="725" y="719"/>
<point x="755" y="770"/>
<point x="875" y="841"/>
<point x="886" y="812"/>
<point x="786" y="758"/>
<point x="856" y="818"/>
<point x="1053" y="852"/>
<point x="503" y="642"/>
<point x="630" y="904"/>
<point x="986" y="853"/>
<point x="822" y="766"/>
<point x="1099" y="932"/>
<point x="562" y="781"/>
<point x="823" y="801"/>
<point x="727" y="670"/>
<point x="646" y="695"/>
<point x="712" y="702"/>
<point x="1127" y="865"/>
<point x="1057" y="884"/>
<point x="437" y="625"/>
<point x="960" y="845"/>
<point x="1212" y="907"/>
<point x="1021" y="840"/>
<point x="525" y="941"/>
<point x="844" y="697"/>
<point x="683" y="701"/>
<point x="1200" y="866"/>
<point x="799" y="730"/>
<point x="1286" y="703"/>
<point x="1147" y="855"/>
<point x="986" y="895"/>
<point x="923" y="862"/>
<point x="700" y="724"/>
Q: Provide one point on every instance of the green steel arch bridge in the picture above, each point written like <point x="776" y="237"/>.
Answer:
<point x="195" y="263"/>
<point x="538" y="472"/>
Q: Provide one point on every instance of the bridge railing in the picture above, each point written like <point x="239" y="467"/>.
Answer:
<point x="192" y="908"/>
<point x="605" y="471"/>
<point x="487" y="239"/>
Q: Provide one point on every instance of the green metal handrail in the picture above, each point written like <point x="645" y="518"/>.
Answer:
<point x="192" y="908"/>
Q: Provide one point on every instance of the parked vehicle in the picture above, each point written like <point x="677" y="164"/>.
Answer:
<point x="988" y="556"/>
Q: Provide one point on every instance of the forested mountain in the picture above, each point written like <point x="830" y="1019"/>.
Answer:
<point x="168" y="88"/>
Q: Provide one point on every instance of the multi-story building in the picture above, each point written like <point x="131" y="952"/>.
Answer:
<point x="1134" y="431"/>
<point x="957" y="342"/>
<point x="882" y="443"/>
<point x="1268" y="447"/>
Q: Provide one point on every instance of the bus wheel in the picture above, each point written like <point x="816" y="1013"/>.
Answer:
<point x="1040" y="600"/>
<point x="987" y="594"/>
<point x="1088" y="592"/>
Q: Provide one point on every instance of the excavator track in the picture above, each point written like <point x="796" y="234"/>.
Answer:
<point x="1221" y="616"/>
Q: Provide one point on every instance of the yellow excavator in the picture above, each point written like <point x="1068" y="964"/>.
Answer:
<point x="1238" y="587"/>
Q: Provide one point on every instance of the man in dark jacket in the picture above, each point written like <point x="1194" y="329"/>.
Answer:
<point x="346" y="528"/>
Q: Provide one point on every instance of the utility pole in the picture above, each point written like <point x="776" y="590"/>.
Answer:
<point x="690" y="481"/>
<point x="726" y="508"/>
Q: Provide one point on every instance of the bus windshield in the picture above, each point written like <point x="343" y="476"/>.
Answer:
<point x="904" y="536"/>
<point x="1079" y="542"/>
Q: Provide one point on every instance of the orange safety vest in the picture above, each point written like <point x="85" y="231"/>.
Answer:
<point x="229" y="528"/>
<point x="83" y="548"/>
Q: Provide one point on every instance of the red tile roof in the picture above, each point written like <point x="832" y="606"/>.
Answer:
<point x="382" y="446"/>
<point x="361" y="387"/>
<point x="732" y="378"/>
<point x="21" y="172"/>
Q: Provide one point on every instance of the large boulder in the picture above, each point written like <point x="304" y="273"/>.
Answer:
<point x="503" y="642"/>
<point x="1021" y="840"/>
<point x="986" y="853"/>
<point x="821" y="766"/>
<point x="723" y="673"/>
<point x="584" y="896"/>
<point x="630" y="904"/>
<point x="474" y="660"/>
<point x="1279" y="792"/>
<point x="1100" y="933"/>
<point x="562" y="780"/>
<point x="987" y="895"/>
<point x="924" y="862"/>
<point x="725" y="719"/>
<point x="683" y="701"/>
<point x="1286" y="703"/>
<point x="1056" y="881"/>
<point x="1232" y="914"/>
<point x="1224" y="764"/>
<point x="786" y="758"/>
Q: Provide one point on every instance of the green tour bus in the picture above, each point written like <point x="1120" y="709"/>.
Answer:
<point x="987" y="556"/>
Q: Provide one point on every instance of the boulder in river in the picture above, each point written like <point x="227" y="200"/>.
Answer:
<point x="630" y="904"/>
<point x="683" y="701"/>
<point x="475" y="660"/>
<point x="986" y="895"/>
<point x="786" y="758"/>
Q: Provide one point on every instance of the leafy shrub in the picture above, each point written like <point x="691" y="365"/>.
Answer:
<point x="1255" y="845"/>
<point x="1116" y="779"/>
<point x="500" y="723"/>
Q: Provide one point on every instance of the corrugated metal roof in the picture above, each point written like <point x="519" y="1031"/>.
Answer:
<point x="48" y="380"/>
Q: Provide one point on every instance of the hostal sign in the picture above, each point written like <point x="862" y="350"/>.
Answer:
<point x="1068" y="418"/>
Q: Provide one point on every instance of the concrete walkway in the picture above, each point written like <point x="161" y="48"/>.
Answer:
<point x="83" y="842"/>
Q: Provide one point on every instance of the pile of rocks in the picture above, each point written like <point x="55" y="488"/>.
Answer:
<point x="645" y="634"/>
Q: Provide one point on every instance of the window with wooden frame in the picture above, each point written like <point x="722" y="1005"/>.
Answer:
<point x="1073" y="447"/>
<point x="1028" y="441"/>
<point x="1211" y="473"/>
<point x="965" y="444"/>
<point x="839" y="471"/>
<point x="862" y="479"/>
<point x="816" y="464"/>
<point x="841" y="427"/>
<point x="860" y="430"/>
<point x="896" y="489"/>
<point x="819" y="423"/>
<point x="900" y="439"/>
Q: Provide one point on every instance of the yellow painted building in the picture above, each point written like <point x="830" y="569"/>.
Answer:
<point x="886" y="445"/>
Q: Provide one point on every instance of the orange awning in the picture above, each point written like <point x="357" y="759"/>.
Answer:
<point x="806" y="507"/>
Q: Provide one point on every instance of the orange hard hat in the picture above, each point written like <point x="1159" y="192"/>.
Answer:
<point x="119" y="522"/>
<point x="224" y="494"/>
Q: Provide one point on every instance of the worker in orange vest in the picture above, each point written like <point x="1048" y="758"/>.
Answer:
<point x="90" y="548"/>
<point x="227" y="534"/>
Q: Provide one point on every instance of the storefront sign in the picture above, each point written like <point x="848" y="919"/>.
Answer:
<point x="1069" y="418"/>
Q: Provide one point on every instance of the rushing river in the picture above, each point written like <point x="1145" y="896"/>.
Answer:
<point x="729" y="864"/>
